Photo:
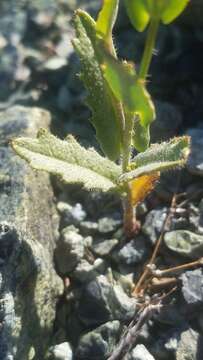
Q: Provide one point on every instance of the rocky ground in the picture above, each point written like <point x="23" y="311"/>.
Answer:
<point x="67" y="272"/>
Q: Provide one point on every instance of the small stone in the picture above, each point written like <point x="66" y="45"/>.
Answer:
<point x="190" y="346"/>
<point x="102" y="301"/>
<point x="140" y="353"/>
<point x="104" y="247"/>
<point x="192" y="286"/>
<point x="153" y="223"/>
<point x="195" y="161"/>
<point x="62" y="352"/>
<point x="71" y="215"/>
<point x="108" y="225"/>
<point x="99" y="343"/>
<point x="70" y="250"/>
<point x="185" y="243"/>
<point x="133" y="252"/>
<point x="85" y="272"/>
<point x="88" y="228"/>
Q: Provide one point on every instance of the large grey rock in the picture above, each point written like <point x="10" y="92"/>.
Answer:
<point x="29" y="286"/>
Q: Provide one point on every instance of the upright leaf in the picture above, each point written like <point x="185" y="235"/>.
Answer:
<point x="107" y="18"/>
<point x="128" y="88"/>
<point x="67" y="159"/>
<point x="138" y="14"/>
<point x="100" y="98"/>
<point x="173" y="10"/>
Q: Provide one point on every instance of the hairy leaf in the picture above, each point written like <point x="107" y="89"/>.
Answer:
<point x="161" y="157"/>
<point x="100" y="98"/>
<point x="128" y="88"/>
<point x="106" y="18"/>
<point x="67" y="159"/>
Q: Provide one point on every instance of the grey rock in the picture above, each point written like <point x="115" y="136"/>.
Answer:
<point x="104" y="247"/>
<point x="107" y="225"/>
<point x="195" y="161"/>
<point x="99" y="343"/>
<point x="85" y="272"/>
<point x="71" y="215"/>
<point x="133" y="252"/>
<point x="70" y="250"/>
<point x="153" y="223"/>
<point x="30" y="286"/>
<point x="88" y="227"/>
<point x="61" y="351"/>
<point x="190" y="346"/>
<point x="192" y="286"/>
<point x="140" y="353"/>
<point x="185" y="243"/>
<point x="102" y="301"/>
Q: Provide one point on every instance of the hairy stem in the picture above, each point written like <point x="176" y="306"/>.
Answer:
<point x="149" y="47"/>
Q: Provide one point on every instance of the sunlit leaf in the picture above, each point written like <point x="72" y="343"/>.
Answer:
<point x="68" y="160"/>
<point x="100" y="98"/>
<point x="138" y="13"/>
<point x="106" y="18"/>
<point x="141" y="136"/>
<point x="173" y="10"/>
<point x="128" y="88"/>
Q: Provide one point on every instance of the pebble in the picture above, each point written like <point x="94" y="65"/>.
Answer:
<point x="88" y="228"/>
<point x="61" y="351"/>
<point x="85" y="272"/>
<point x="140" y="353"/>
<point x="190" y="346"/>
<point x="104" y="247"/>
<point x="100" y="342"/>
<point x="71" y="215"/>
<point x="134" y="252"/>
<point x="70" y="250"/>
<point x="192" y="286"/>
<point x="153" y="223"/>
<point x="185" y="243"/>
<point x="107" y="225"/>
<point x="102" y="301"/>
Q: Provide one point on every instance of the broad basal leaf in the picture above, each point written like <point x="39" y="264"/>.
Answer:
<point x="128" y="88"/>
<point x="107" y="18"/>
<point x="100" y="98"/>
<point x="67" y="159"/>
<point x="161" y="157"/>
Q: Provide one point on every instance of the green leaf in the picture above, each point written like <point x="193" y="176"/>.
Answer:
<point x="141" y="11"/>
<point x="138" y="14"/>
<point x="100" y="98"/>
<point x="128" y="88"/>
<point x="67" y="159"/>
<point x="159" y="157"/>
<point x="107" y="18"/>
<point x="141" y="137"/>
<point x="173" y="10"/>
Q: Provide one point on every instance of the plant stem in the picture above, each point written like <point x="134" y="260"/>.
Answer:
<point x="149" y="46"/>
<point x="129" y="211"/>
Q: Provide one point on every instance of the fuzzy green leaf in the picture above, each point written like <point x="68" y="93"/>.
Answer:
<point x="128" y="88"/>
<point x="107" y="18"/>
<point x="141" y="136"/>
<point x="159" y="157"/>
<point x="67" y="159"/>
<point x="100" y="98"/>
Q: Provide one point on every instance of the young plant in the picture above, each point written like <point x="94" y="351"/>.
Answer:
<point x="122" y="111"/>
